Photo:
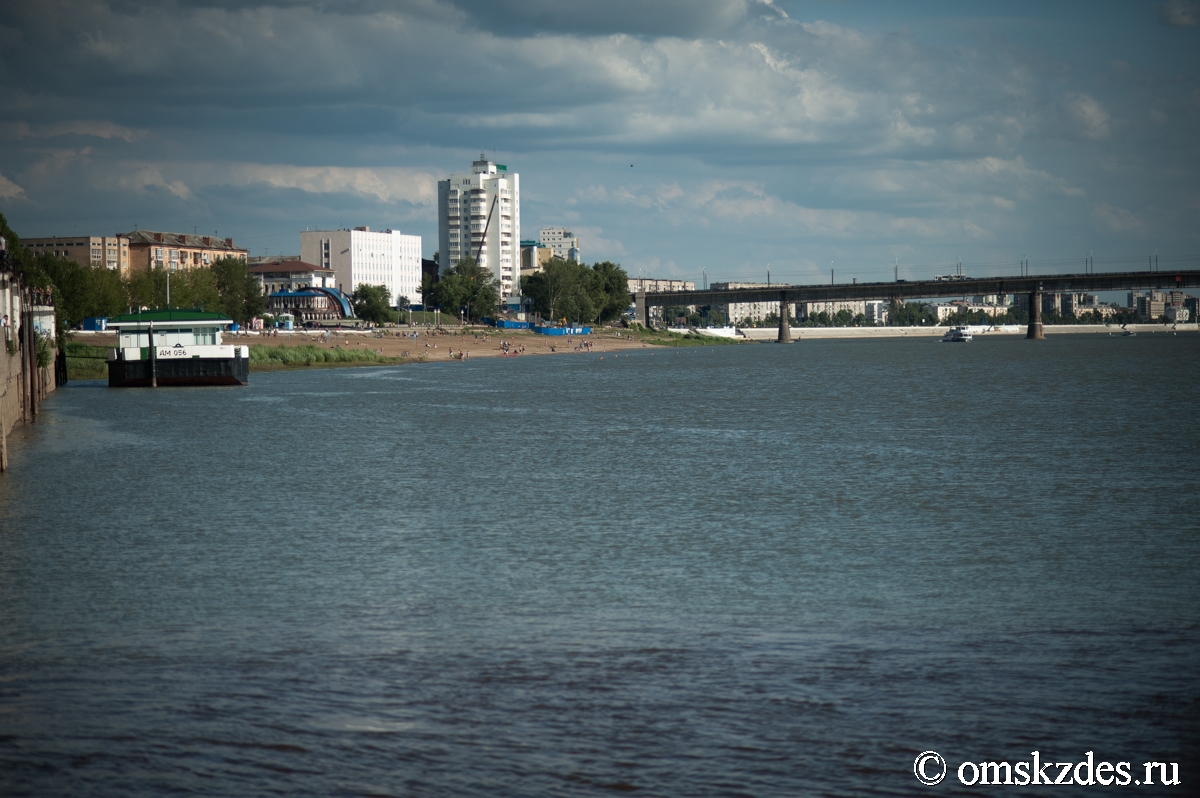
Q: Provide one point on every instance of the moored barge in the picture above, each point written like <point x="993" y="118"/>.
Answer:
<point x="175" y="347"/>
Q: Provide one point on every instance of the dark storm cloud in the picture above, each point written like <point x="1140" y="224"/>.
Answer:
<point x="1179" y="13"/>
<point x="743" y="123"/>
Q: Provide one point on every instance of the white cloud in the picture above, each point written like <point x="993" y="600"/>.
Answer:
<point x="382" y="184"/>
<point x="10" y="190"/>
<point x="140" y="177"/>
<point x="79" y="127"/>
<point x="1119" y="219"/>
<point x="1088" y="112"/>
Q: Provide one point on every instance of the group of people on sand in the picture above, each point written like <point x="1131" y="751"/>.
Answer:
<point x="508" y="349"/>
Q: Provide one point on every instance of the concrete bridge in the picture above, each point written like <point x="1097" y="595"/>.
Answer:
<point x="902" y="290"/>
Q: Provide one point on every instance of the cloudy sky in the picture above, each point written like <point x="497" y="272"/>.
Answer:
<point x="677" y="137"/>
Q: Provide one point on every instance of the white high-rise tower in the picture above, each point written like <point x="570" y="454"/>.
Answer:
<point x="479" y="216"/>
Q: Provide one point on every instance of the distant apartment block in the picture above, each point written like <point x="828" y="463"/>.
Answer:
<point x="1150" y="305"/>
<point x="877" y="311"/>
<point x="748" y="312"/>
<point x="807" y="310"/>
<point x="1078" y="304"/>
<point x="177" y="251"/>
<point x="362" y="257"/>
<point x="653" y="285"/>
<point x="534" y="257"/>
<point x="112" y="252"/>
<point x="561" y="241"/>
<point x="943" y="310"/>
<point x="479" y="216"/>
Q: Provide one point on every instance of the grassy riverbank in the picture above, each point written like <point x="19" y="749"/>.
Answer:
<point x="275" y="358"/>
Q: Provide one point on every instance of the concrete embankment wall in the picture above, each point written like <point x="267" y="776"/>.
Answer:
<point x="16" y="402"/>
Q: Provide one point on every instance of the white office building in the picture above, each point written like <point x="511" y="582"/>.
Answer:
<point x="479" y="216"/>
<point x="561" y="241"/>
<point x="360" y="256"/>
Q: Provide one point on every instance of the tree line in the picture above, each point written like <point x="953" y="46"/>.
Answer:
<point x="84" y="291"/>
<point x="562" y="291"/>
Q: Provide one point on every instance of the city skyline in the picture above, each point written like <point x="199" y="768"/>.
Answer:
<point x="727" y="137"/>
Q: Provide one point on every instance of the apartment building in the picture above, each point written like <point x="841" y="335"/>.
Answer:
<point x="806" y="310"/>
<point x="1150" y="305"/>
<point x="749" y="312"/>
<point x="561" y="241"/>
<point x="176" y="251"/>
<point x="112" y="252"/>
<point x="479" y="216"/>
<point x="534" y="257"/>
<point x="360" y="256"/>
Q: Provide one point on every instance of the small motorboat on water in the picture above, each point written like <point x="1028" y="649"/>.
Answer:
<point x="957" y="335"/>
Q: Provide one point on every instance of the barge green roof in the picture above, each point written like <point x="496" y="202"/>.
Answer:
<point x="169" y="317"/>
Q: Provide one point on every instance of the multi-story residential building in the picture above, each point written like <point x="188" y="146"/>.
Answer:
<point x="876" y="311"/>
<point x="359" y="256"/>
<point x="112" y="252"/>
<point x="749" y="312"/>
<point x="1078" y="304"/>
<point x="291" y="275"/>
<point x="175" y="251"/>
<point x="806" y="310"/>
<point x="944" y="310"/>
<point x="654" y="285"/>
<point x="479" y="216"/>
<point x="534" y="257"/>
<point x="561" y="241"/>
<point x="1150" y="305"/>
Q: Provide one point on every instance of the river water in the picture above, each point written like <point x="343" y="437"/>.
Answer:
<point x="761" y="570"/>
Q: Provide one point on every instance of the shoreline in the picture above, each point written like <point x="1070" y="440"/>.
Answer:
<point x="436" y="347"/>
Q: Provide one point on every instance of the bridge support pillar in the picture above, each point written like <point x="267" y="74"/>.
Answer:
<point x="1035" y="317"/>
<point x="642" y="312"/>
<point x="785" y="327"/>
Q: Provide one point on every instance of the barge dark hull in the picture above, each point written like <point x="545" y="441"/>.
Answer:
<point x="192" y="371"/>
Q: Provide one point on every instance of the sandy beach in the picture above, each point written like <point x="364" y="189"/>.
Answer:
<point x="434" y="345"/>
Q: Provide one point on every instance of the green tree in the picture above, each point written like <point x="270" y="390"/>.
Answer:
<point x="373" y="303"/>
<point x="610" y="291"/>
<point x="192" y="288"/>
<point x="467" y="287"/>
<point x="910" y="314"/>
<point x="241" y="298"/>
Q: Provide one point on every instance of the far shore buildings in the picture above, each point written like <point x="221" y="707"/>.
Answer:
<point x="749" y="312"/>
<point x="479" y="216"/>
<point x="561" y="241"/>
<point x="291" y="275"/>
<point x="306" y="291"/>
<point x="362" y="257"/>
<point x="534" y="257"/>
<point x="177" y="251"/>
<point x="112" y="252"/>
